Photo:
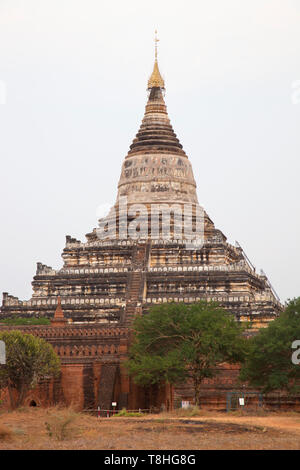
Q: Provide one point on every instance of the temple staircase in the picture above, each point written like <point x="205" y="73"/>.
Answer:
<point x="136" y="286"/>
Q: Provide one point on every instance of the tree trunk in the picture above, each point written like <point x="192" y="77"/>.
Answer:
<point x="22" y="394"/>
<point x="197" y="388"/>
<point x="147" y="397"/>
<point x="11" y="398"/>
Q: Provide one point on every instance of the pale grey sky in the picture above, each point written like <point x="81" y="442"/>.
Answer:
<point x="75" y="72"/>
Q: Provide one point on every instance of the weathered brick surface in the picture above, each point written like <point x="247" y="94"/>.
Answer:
<point x="104" y="285"/>
<point x="72" y="384"/>
<point x="108" y="380"/>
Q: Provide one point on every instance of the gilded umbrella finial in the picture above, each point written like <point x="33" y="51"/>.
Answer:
<point x="156" y="79"/>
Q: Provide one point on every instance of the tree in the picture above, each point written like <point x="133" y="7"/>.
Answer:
<point x="28" y="360"/>
<point x="268" y="364"/>
<point x="174" y="342"/>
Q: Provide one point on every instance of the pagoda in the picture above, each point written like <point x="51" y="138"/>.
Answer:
<point x="118" y="273"/>
<point x="108" y="280"/>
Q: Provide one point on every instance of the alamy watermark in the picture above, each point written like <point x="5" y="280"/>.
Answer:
<point x="182" y="222"/>
<point x="296" y="354"/>
<point x="2" y="353"/>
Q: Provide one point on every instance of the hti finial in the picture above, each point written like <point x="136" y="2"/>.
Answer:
<point x="156" y="80"/>
<point x="156" y="41"/>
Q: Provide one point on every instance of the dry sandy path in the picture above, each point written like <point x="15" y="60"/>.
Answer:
<point x="289" y="423"/>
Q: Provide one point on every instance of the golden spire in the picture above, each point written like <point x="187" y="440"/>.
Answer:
<point x="156" y="79"/>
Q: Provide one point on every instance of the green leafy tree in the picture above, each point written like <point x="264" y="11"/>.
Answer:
<point x="28" y="360"/>
<point x="268" y="364"/>
<point x="174" y="342"/>
<point x="25" y="321"/>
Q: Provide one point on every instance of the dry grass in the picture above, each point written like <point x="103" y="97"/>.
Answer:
<point x="58" y="424"/>
<point x="188" y="412"/>
<point x="5" y="433"/>
<point x="66" y="429"/>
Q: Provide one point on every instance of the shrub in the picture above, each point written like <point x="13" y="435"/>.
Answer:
<point x="127" y="414"/>
<point x="58" y="425"/>
<point x="25" y="321"/>
<point x="191" y="411"/>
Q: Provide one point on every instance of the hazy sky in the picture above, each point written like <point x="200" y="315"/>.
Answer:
<point x="73" y="76"/>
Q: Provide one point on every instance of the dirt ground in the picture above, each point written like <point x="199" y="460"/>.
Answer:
<point x="54" y="428"/>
